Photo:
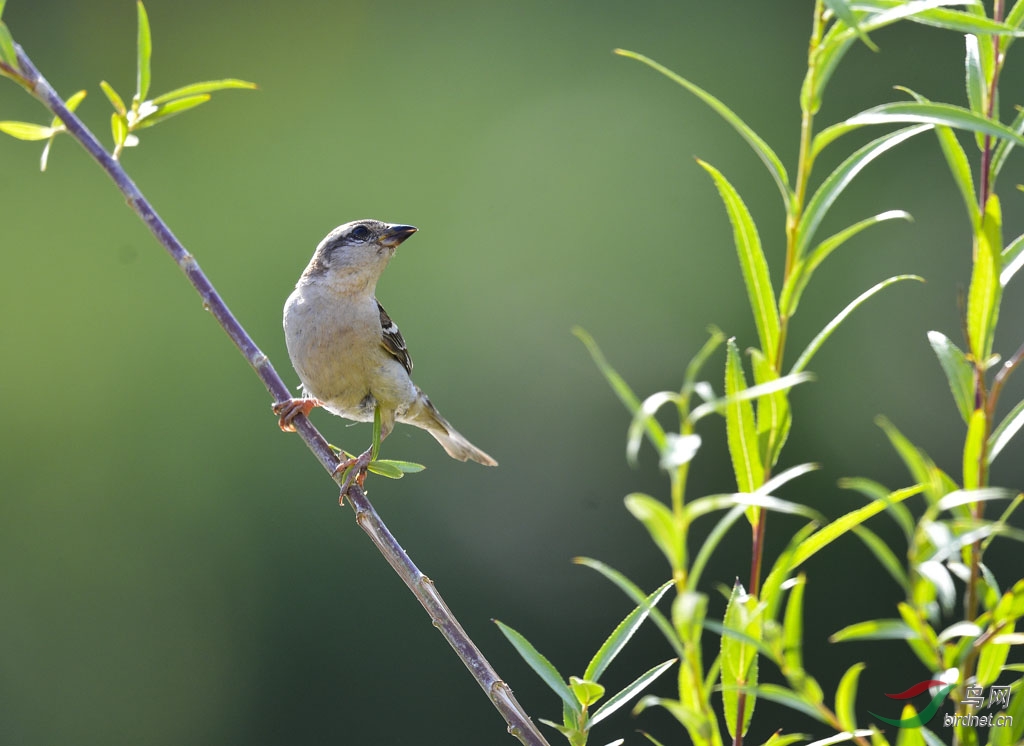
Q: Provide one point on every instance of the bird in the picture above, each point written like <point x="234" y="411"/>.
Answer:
<point x="348" y="352"/>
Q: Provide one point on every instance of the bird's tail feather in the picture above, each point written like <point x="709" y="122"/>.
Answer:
<point x="450" y="439"/>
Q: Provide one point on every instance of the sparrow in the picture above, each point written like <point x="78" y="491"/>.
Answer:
<point x="350" y="356"/>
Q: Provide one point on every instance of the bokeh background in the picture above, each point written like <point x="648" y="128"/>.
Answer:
<point x="175" y="570"/>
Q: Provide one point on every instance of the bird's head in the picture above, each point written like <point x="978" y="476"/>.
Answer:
<point x="356" y="253"/>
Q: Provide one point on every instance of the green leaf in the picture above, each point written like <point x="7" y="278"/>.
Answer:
<point x="921" y="467"/>
<point x="984" y="292"/>
<point x="704" y="505"/>
<point x="976" y="80"/>
<point x="622" y="634"/>
<point x="876" y="629"/>
<point x="207" y="86"/>
<point x="935" y="114"/>
<point x="1003" y="147"/>
<point x="628" y="692"/>
<point x="924" y="642"/>
<point x="630" y="588"/>
<point x="753" y="264"/>
<point x="709" y="545"/>
<point x="844" y="13"/>
<point x="587" y="692"/>
<point x="826" y="332"/>
<point x="959" y="372"/>
<point x="145" y="52"/>
<point x="26" y="130"/>
<point x="840" y="737"/>
<point x="541" y="666"/>
<point x="790" y="738"/>
<point x="406" y="467"/>
<point x="1005" y="431"/>
<point x="2" y="4"/>
<point x="801" y="275"/>
<point x="761" y="148"/>
<point x="975" y="462"/>
<point x="114" y="99"/>
<point x="793" y="631"/>
<point x="165" y="111"/>
<point x="118" y="129"/>
<point x="773" y="415"/>
<point x="739" y="658"/>
<point x="885" y="556"/>
<point x="892" y="500"/>
<point x="1012" y="260"/>
<point x="826" y="535"/>
<point x="662" y="527"/>
<point x="741" y="430"/>
<point x="721" y="405"/>
<point x="384" y="469"/>
<point x="654" y="431"/>
<point x="841" y="177"/>
<point x="643" y="421"/>
<point x="789" y="698"/>
<point x="846" y="697"/>
<point x="8" y="52"/>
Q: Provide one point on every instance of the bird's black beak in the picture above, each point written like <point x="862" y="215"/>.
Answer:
<point x="395" y="234"/>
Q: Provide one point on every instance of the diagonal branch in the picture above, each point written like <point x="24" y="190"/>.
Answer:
<point x="519" y="723"/>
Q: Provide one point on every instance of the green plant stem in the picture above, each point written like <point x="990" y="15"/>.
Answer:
<point x="519" y="723"/>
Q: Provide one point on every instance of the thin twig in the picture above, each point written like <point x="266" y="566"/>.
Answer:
<point x="519" y="723"/>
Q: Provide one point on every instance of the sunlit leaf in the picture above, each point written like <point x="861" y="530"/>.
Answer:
<point x="8" y="52"/>
<point x="384" y="469"/>
<point x="840" y="178"/>
<point x="1005" y="431"/>
<point x="904" y="112"/>
<point x="710" y="503"/>
<point x="841" y="737"/>
<point x="885" y="556"/>
<point x="631" y="690"/>
<point x="826" y="332"/>
<point x="1012" y="260"/>
<point x="976" y="81"/>
<point x="876" y="629"/>
<point x="26" y="130"/>
<point x="145" y="52"/>
<point x="741" y="431"/>
<point x="1003" y="147"/>
<point x="118" y="128"/>
<point x="921" y="467"/>
<point x="975" y="462"/>
<point x="761" y="148"/>
<point x="959" y="372"/>
<point x="773" y="415"/>
<point x="587" y="692"/>
<point x="846" y="697"/>
<point x="661" y="524"/>
<point x="984" y="292"/>
<point x="643" y="421"/>
<point x="171" y="108"/>
<point x="753" y="265"/>
<point x="739" y="658"/>
<point x="892" y="500"/>
<point x="114" y="98"/>
<point x="622" y="634"/>
<point x="196" y="89"/>
<point x="709" y="545"/>
<point x="791" y="699"/>
<point x="844" y="13"/>
<point x="541" y="666"/>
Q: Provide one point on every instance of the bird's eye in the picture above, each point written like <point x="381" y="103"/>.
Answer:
<point x="360" y="233"/>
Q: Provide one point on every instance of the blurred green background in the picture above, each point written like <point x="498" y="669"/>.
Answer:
<point x="175" y="570"/>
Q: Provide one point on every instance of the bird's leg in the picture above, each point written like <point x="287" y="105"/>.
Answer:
<point x="357" y="465"/>
<point x="288" y="410"/>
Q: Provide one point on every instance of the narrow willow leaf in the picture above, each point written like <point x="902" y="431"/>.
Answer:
<point x="885" y="556"/>
<point x="924" y="642"/>
<point x="8" y="52"/>
<point x="846" y="697"/>
<point x="1014" y="19"/>
<point x="793" y="630"/>
<point x="826" y="59"/>
<point x="709" y="545"/>
<point x="932" y="13"/>
<point x="876" y="629"/>
<point x="984" y="292"/>
<point x="935" y="114"/>
<point x="643" y="420"/>
<point x="631" y="589"/>
<point x="718" y="406"/>
<point x="892" y="500"/>
<point x="384" y="469"/>
<point x="406" y="467"/>
<point x="207" y="86"/>
<point x="739" y="658"/>
<point x="114" y="98"/>
<point x="761" y="148"/>
<point x="841" y="737"/>
<point x="1003" y="147"/>
<point x="3" y="3"/>
<point x="741" y="430"/>
<point x="773" y="415"/>
<point x="801" y="274"/>
<point x="829" y="135"/>
<point x="753" y="265"/>
<point x="145" y="52"/>
<point x="661" y="525"/>
<point x="622" y="634"/>
<point x="26" y="130"/>
<point x="975" y="462"/>
<point x="841" y="177"/>
<point x="118" y="129"/>
<point x="541" y="666"/>
<point x="844" y="13"/>
<point x="791" y="699"/>
<point x="628" y="692"/>
<point x="72" y="103"/>
<point x="1005" y="431"/>
<point x="921" y="467"/>
<point x="711" y="503"/>
<point x="171" y="108"/>
<point x="587" y="692"/>
<point x="959" y="372"/>
<point x="977" y="88"/>
<point x="825" y="333"/>
<point x="44" y="158"/>
<point x="1012" y="260"/>
<point x="790" y="738"/>
<point x="654" y="432"/>
<point x="826" y="535"/>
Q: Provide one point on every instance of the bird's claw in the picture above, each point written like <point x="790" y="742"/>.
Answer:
<point x="356" y="468"/>
<point x="288" y="410"/>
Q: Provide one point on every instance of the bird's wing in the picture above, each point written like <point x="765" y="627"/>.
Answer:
<point x="391" y="339"/>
